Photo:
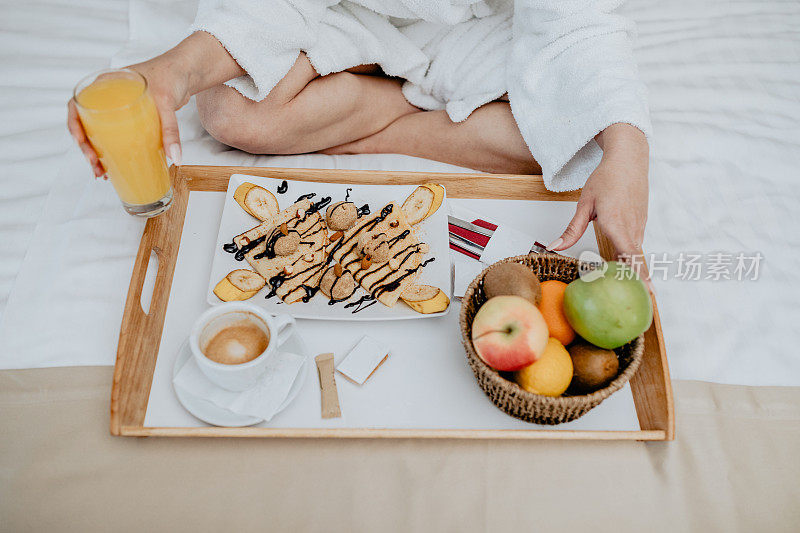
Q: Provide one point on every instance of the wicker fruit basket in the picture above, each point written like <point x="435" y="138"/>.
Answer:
<point x="509" y="396"/>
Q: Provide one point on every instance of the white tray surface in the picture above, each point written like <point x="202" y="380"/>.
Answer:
<point x="426" y="382"/>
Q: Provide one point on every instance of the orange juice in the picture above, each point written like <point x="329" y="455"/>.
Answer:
<point x="121" y="121"/>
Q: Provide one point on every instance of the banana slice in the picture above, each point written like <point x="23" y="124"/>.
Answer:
<point x="239" y="194"/>
<point x="239" y="285"/>
<point x="425" y="299"/>
<point x="256" y="201"/>
<point x="423" y="202"/>
<point x="262" y="203"/>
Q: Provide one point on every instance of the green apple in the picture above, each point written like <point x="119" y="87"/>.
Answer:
<point x="610" y="310"/>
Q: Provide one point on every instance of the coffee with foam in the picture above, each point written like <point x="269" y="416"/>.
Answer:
<point x="234" y="338"/>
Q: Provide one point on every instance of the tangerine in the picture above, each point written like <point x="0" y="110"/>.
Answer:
<point x="552" y="309"/>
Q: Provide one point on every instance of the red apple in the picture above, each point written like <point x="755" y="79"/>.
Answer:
<point x="509" y="333"/>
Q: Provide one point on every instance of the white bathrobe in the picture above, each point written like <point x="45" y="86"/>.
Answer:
<point x="567" y="65"/>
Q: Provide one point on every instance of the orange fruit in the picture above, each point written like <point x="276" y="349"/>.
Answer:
<point x="551" y="374"/>
<point x="552" y="308"/>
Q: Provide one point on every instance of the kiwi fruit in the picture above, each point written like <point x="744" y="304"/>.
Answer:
<point x="513" y="279"/>
<point x="593" y="368"/>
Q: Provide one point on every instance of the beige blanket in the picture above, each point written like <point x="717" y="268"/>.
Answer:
<point x="733" y="467"/>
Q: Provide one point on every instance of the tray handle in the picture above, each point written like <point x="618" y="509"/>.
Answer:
<point x="651" y="385"/>
<point x="160" y="287"/>
<point x="140" y="332"/>
<point x="154" y="255"/>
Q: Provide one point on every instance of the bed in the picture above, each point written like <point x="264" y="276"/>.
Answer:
<point x="724" y="82"/>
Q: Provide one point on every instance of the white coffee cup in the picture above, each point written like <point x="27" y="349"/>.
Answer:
<point x="242" y="376"/>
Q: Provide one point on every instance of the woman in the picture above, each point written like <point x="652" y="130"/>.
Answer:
<point x="436" y="79"/>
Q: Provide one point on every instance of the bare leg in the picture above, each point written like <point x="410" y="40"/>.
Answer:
<point x="305" y="112"/>
<point x="489" y="140"/>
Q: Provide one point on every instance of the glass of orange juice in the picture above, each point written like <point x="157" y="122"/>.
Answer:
<point x="121" y="121"/>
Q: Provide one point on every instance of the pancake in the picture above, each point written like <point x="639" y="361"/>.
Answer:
<point x="295" y="276"/>
<point x="385" y="281"/>
<point x="243" y="239"/>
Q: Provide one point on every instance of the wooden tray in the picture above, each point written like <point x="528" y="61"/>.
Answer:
<point x="140" y="333"/>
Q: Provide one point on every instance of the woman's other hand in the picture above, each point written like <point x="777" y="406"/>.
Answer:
<point x="615" y="194"/>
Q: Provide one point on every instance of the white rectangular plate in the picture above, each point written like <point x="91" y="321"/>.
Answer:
<point x="432" y="230"/>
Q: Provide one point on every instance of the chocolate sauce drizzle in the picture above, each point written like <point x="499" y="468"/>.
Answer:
<point x="394" y="285"/>
<point x="276" y="281"/>
<point x="308" y="196"/>
<point x="269" y="251"/>
<point x="239" y="256"/>
<point x="352" y="262"/>
<point x="359" y="304"/>
<point x="337" y="206"/>
<point x="385" y="212"/>
<point x="364" y="273"/>
<point x="230" y="247"/>
<point x="333" y="300"/>
<point x="310" y="292"/>
<point x="317" y="227"/>
<point x="376" y="289"/>
<point x="315" y="206"/>
<point x="400" y="237"/>
<point x="318" y="205"/>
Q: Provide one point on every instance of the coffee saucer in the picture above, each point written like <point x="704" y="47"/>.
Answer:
<point x="213" y="414"/>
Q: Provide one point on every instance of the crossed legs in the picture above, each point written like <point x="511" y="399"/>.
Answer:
<point x="304" y="112"/>
<point x="358" y="112"/>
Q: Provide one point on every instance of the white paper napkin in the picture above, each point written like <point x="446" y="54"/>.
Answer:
<point x="506" y="242"/>
<point x="262" y="401"/>
<point x="466" y="270"/>
<point x="365" y="357"/>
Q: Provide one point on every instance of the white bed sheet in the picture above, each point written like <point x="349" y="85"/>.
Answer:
<point x="724" y="80"/>
<point x="45" y="47"/>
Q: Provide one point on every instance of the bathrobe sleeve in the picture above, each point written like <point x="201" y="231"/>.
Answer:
<point x="263" y="36"/>
<point x="571" y="74"/>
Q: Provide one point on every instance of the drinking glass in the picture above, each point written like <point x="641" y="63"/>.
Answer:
<point x="121" y="122"/>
